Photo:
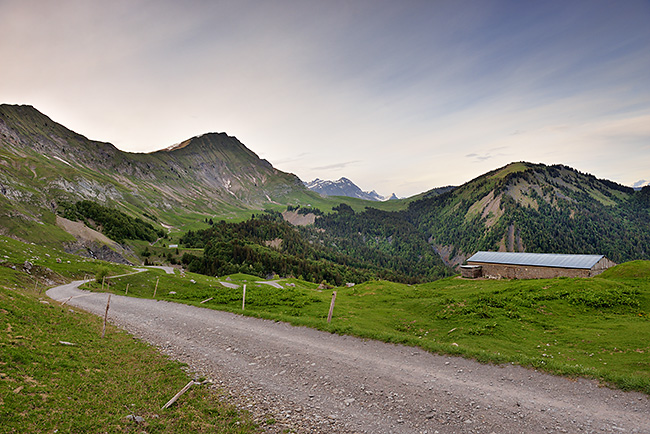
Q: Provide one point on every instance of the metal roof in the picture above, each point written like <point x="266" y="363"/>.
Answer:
<point x="537" y="259"/>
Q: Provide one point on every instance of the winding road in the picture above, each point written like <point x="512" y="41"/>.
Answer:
<point x="315" y="382"/>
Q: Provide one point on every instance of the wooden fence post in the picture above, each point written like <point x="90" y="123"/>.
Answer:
<point x="329" y="316"/>
<point x="103" y="280"/>
<point x="127" y="289"/>
<point x="183" y="390"/>
<point x="243" y="298"/>
<point x="108" y="303"/>
<point x="156" y="288"/>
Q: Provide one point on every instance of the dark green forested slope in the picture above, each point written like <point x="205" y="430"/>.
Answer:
<point x="520" y="207"/>
<point x="268" y="245"/>
<point x="111" y="222"/>
<point x="537" y="208"/>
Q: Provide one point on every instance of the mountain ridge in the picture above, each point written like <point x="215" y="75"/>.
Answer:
<point x="343" y="187"/>
<point x="206" y="171"/>
<point x="518" y="207"/>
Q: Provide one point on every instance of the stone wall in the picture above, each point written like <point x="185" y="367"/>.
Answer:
<point x="501" y="271"/>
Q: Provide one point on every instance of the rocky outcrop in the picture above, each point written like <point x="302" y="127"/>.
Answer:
<point x="95" y="250"/>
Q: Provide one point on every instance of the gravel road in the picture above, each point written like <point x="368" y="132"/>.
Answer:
<point x="314" y="382"/>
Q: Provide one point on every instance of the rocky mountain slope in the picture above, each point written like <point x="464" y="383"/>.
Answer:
<point x="342" y="187"/>
<point x="45" y="163"/>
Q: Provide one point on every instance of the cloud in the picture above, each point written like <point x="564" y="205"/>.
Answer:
<point x="337" y="166"/>
<point x="414" y="91"/>
<point x="488" y="155"/>
<point x="291" y="159"/>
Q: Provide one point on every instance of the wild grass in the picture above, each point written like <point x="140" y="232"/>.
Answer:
<point x="50" y="265"/>
<point x="58" y="375"/>
<point x="596" y="328"/>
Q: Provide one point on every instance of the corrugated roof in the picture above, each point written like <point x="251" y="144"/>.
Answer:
<point x="537" y="259"/>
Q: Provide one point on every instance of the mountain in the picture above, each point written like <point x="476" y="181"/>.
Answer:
<point x="393" y="197"/>
<point x="45" y="164"/>
<point x="640" y="184"/>
<point x="521" y="207"/>
<point x="342" y="187"/>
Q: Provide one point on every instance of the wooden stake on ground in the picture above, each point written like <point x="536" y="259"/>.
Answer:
<point x="243" y="298"/>
<point x="127" y="289"/>
<point x="173" y="400"/>
<point x="156" y="288"/>
<point x="108" y="303"/>
<point x="207" y="299"/>
<point x="329" y="315"/>
<point x="103" y="280"/>
<point x="35" y="285"/>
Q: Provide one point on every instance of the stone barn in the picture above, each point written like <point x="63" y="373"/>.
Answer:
<point x="511" y="265"/>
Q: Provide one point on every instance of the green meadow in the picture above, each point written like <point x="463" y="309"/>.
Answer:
<point x="595" y="328"/>
<point x="58" y="375"/>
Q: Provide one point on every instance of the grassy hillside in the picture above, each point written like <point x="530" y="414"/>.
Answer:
<point x="209" y="176"/>
<point x="595" y="328"/>
<point x="44" y="163"/>
<point x="58" y="374"/>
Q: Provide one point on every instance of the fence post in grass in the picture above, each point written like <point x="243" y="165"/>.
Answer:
<point x="243" y="298"/>
<point x="127" y="289"/>
<point x="156" y="288"/>
<point x="108" y="303"/>
<point x="103" y="280"/>
<point x="329" y="315"/>
<point x="183" y="390"/>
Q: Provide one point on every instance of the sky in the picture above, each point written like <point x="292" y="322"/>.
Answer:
<point x="398" y="96"/>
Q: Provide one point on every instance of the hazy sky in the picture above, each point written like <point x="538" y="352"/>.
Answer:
<point x="399" y="96"/>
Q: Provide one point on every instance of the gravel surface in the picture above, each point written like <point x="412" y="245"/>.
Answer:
<point x="308" y="381"/>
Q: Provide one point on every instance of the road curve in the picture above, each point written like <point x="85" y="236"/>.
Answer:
<point x="316" y="382"/>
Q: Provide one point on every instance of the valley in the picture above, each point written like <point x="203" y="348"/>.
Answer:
<point x="73" y="208"/>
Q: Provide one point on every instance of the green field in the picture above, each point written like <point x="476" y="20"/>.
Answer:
<point x="595" y="328"/>
<point x="58" y="375"/>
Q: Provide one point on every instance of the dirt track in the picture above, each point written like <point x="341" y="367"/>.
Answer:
<point x="316" y="382"/>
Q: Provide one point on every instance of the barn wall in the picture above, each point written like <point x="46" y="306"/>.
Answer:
<point x="502" y="271"/>
<point x="469" y="272"/>
<point x="601" y="266"/>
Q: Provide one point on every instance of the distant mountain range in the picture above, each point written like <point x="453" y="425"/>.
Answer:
<point x="519" y="207"/>
<point x="344" y="187"/>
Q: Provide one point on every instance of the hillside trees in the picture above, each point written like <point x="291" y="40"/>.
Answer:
<point x="264" y="246"/>
<point x="111" y="222"/>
